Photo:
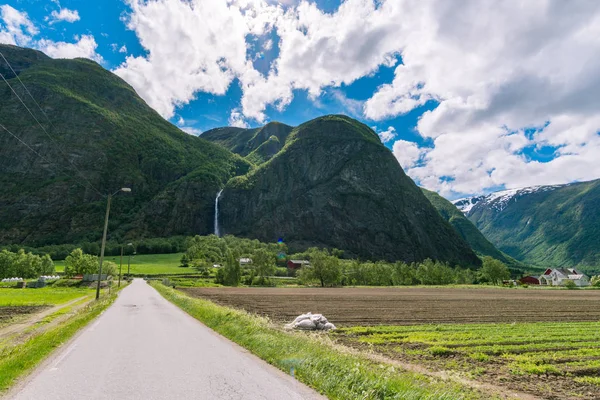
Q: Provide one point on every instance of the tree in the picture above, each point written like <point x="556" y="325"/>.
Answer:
<point x="24" y="265"/>
<point x="109" y="268"/>
<point x="324" y="268"/>
<point x="47" y="266"/>
<point x="264" y="263"/>
<point x="404" y="274"/>
<point x="78" y="263"/>
<point x="232" y="272"/>
<point x="494" y="271"/>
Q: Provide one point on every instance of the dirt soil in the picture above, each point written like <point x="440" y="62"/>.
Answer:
<point x="9" y="312"/>
<point x="409" y="306"/>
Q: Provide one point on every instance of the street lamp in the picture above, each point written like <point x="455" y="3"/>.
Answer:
<point x="126" y="190"/>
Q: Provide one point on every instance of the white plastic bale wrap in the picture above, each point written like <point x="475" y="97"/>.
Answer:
<point x="311" y="322"/>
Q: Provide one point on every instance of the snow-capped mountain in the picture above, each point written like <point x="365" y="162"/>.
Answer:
<point x="546" y="226"/>
<point x="499" y="200"/>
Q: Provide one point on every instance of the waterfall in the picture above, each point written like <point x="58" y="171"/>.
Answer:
<point x="217" y="232"/>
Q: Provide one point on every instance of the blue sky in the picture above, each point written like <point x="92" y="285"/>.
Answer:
<point x="464" y="108"/>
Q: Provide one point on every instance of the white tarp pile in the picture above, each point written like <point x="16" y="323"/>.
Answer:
<point x="311" y="322"/>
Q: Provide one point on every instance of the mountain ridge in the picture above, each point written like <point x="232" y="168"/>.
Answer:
<point x="546" y="226"/>
<point x="317" y="191"/>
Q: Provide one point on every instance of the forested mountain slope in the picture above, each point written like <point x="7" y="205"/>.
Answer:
<point x="553" y="226"/>
<point x="98" y="125"/>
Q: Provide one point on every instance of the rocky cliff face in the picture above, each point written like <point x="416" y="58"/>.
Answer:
<point x="334" y="184"/>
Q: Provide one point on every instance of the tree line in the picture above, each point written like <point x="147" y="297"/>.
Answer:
<point x="175" y="244"/>
<point x="24" y="265"/>
<point x="327" y="267"/>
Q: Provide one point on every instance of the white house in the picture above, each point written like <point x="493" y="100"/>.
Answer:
<point x="245" y="261"/>
<point x="557" y="276"/>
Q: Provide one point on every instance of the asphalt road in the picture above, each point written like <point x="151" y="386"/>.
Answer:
<point x="144" y="347"/>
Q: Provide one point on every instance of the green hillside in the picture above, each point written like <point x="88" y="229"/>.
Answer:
<point x="466" y="229"/>
<point x="257" y="145"/>
<point x="545" y="226"/>
<point x="334" y="184"/>
<point x="102" y="127"/>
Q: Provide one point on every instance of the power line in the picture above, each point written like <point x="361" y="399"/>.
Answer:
<point x="33" y="150"/>
<point x="44" y="129"/>
<point x="25" y="144"/>
<point x="28" y="92"/>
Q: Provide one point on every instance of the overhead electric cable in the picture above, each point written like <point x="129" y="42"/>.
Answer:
<point x="36" y="152"/>
<point x="44" y="129"/>
<point x="28" y="92"/>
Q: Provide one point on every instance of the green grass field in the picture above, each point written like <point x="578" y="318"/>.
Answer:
<point x="146" y="264"/>
<point x="562" y="357"/>
<point x="38" y="297"/>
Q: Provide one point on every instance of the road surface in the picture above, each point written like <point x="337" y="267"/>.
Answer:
<point x="144" y="347"/>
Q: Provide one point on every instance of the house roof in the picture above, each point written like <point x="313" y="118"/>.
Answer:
<point x="575" y="277"/>
<point x="300" y="261"/>
<point x="245" y="260"/>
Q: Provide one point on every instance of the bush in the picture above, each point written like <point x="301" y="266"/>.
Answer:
<point x="569" y="284"/>
<point x="78" y="263"/>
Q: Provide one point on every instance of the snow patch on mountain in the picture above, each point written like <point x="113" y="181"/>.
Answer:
<point x="499" y="200"/>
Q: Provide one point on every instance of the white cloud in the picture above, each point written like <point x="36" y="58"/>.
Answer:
<point x="319" y="50"/>
<point x="268" y="45"/>
<point x="388" y="135"/>
<point x="195" y="46"/>
<point x="496" y="69"/>
<point x="123" y="49"/>
<point x="316" y="49"/>
<point x="84" y="47"/>
<point x="16" y="28"/>
<point x="63" y="15"/>
<point x="407" y="153"/>
<point x="237" y="119"/>
<point x="191" y="130"/>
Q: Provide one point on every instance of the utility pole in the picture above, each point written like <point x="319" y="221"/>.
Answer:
<point x="120" y="266"/>
<point x="103" y="246"/>
<point x="109" y="197"/>
<point x="129" y="260"/>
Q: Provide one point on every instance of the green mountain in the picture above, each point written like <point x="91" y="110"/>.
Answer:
<point x="257" y="145"/>
<point x="101" y="135"/>
<point x="329" y="182"/>
<point x="334" y="184"/>
<point x="547" y="226"/>
<point x="466" y="229"/>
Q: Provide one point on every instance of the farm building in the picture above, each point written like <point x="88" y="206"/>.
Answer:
<point x="529" y="280"/>
<point x="557" y="277"/>
<point x="296" y="264"/>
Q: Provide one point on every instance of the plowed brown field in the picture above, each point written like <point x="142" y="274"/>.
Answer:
<point x="409" y="306"/>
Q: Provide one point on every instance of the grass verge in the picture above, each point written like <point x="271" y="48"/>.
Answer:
<point x="315" y="360"/>
<point x="16" y="361"/>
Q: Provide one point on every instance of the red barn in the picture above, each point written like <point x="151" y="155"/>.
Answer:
<point x="297" y="264"/>
<point x="529" y="280"/>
